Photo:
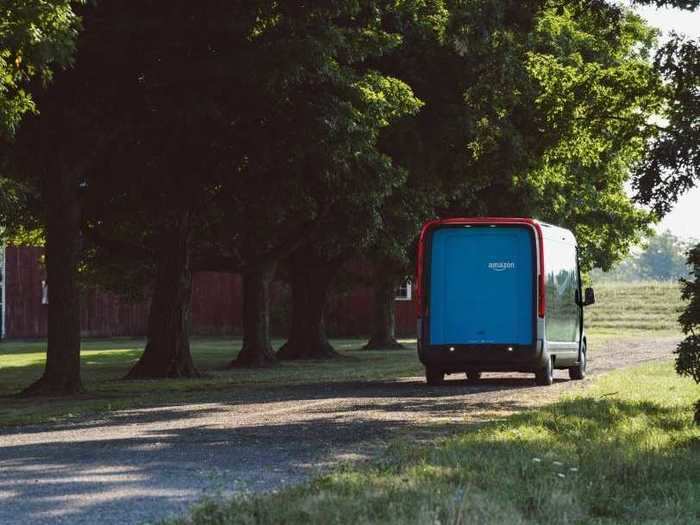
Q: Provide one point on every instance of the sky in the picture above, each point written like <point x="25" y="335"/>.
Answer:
<point x="684" y="219"/>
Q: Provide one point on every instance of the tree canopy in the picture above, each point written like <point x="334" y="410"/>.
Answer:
<point x="36" y="38"/>
<point x="597" y="93"/>
<point x="662" y="258"/>
<point x="176" y="137"/>
<point x="672" y="164"/>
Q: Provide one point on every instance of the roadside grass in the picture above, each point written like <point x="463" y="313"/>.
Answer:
<point x="625" y="450"/>
<point x="106" y="362"/>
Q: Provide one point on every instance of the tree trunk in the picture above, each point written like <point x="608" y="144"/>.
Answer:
<point x="167" y="353"/>
<point x="310" y="285"/>
<point x="384" y="314"/>
<point x="257" y="349"/>
<point x="62" y="372"/>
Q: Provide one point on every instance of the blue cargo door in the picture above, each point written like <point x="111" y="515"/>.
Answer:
<point x="482" y="285"/>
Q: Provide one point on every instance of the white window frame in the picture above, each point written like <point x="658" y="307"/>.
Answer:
<point x="408" y="296"/>
<point x="44" y="292"/>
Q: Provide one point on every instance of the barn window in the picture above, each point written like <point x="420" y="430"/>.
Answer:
<point x="403" y="292"/>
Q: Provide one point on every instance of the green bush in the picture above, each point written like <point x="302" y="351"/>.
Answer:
<point x="688" y="352"/>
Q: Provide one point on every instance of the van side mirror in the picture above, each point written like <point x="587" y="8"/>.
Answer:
<point x="588" y="297"/>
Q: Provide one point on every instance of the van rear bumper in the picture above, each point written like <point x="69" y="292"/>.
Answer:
<point x="483" y="357"/>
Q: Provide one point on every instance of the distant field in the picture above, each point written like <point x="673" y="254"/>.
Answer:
<point x="631" y="308"/>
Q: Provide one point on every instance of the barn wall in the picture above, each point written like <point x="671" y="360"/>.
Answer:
<point x="406" y="318"/>
<point x="25" y="316"/>
<point x="216" y="306"/>
<point x="102" y="314"/>
<point x="349" y="314"/>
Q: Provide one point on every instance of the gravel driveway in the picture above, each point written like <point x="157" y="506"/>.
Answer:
<point x="142" y="465"/>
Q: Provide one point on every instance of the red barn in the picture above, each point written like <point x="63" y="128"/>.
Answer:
<point x="216" y="305"/>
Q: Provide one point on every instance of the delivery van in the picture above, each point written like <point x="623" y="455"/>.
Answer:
<point x="500" y="294"/>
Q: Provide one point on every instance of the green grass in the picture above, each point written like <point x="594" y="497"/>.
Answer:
<point x="624" y="451"/>
<point x="635" y="309"/>
<point x="106" y="362"/>
<point x="622" y="310"/>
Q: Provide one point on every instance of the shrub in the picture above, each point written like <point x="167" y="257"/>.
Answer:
<point x="688" y="351"/>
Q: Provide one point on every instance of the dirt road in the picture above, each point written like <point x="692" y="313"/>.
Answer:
<point x="142" y="465"/>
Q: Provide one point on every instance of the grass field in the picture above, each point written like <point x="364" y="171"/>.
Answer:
<point x="621" y="310"/>
<point x="106" y="362"/>
<point x="624" y="451"/>
<point x="635" y="308"/>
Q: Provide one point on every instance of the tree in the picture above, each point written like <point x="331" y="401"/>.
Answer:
<point x="176" y="98"/>
<point x="465" y="138"/>
<point x="311" y="276"/>
<point x="541" y="116"/>
<point x="143" y="129"/>
<point x="627" y="270"/>
<point x="56" y="174"/>
<point x="672" y="165"/>
<point x="663" y="259"/>
<point x="688" y="351"/>
<point x="37" y="39"/>
<point x="384" y="281"/>
<point x="314" y="267"/>
<point x="359" y="218"/>
<point x="597" y="92"/>
<point x="324" y="50"/>
<point x="201" y="116"/>
<point x="167" y="352"/>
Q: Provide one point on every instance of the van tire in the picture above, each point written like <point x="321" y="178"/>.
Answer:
<point x="434" y="376"/>
<point x="473" y="376"/>
<point x="578" y="372"/>
<point x="545" y="375"/>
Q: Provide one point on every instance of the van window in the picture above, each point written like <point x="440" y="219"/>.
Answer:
<point x="561" y="285"/>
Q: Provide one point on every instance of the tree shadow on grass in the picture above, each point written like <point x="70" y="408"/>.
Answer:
<point x="411" y="397"/>
<point x="155" y="469"/>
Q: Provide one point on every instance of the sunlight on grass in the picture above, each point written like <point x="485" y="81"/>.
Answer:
<point x="624" y="451"/>
<point x="106" y="362"/>
<point x="620" y="312"/>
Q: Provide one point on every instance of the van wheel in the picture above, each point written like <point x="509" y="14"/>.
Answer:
<point x="579" y="371"/>
<point x="434" y="377"/>
<point x="545" y="375"/>
<point x="473" y="376"/>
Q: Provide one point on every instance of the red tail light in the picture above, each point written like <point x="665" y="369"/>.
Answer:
<point x="542" y="299"/>
<point x="541" y="290"/>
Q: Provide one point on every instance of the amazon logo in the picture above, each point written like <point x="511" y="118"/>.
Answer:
<point x="501" y="266"/>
